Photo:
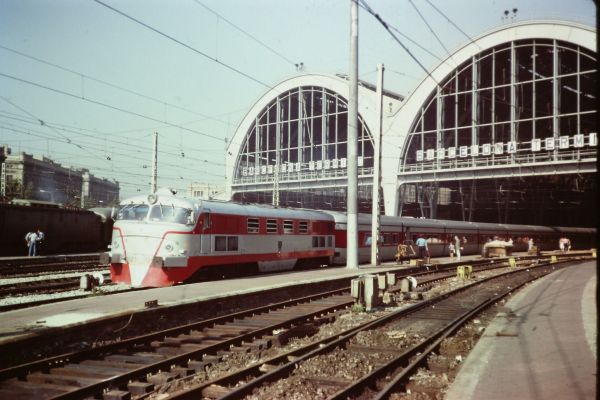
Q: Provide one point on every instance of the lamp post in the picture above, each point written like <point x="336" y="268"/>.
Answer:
<point x="4" y="152"/>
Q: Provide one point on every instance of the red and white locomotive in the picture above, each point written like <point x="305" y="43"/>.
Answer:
<point x="161" y="239"/>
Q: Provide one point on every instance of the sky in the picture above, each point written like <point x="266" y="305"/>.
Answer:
<point x="87" y="82"/>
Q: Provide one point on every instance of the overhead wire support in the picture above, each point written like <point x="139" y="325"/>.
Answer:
<point x="187" y="46"/>
<point x="247" y="34"/>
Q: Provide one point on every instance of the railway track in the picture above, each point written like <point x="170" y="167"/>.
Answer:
<point x="178" y="351"/>
<point x="138" y="365"/>
<point x="52" y="285"/>
<point x="370" y="361"/>
<point x="27" y="266"/>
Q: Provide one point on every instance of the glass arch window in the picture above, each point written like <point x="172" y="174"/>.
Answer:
<point x="519" y="101"/>
<point x="303" y="132"/>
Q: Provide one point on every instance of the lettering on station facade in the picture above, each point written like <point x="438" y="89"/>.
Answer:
<point x="317" y="165"/>
<point x="500" y="148"/>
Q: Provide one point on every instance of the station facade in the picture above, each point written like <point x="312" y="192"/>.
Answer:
<point x="503" y="130"/>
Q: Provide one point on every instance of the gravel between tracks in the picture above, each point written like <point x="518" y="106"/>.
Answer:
<point x="425" y="385"/>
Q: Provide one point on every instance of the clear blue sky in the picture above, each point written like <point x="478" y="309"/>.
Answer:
<point x="199" y="102"/>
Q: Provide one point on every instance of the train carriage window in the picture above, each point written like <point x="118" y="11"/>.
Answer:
<point x="253" y="225"/>
<point x="288" y="226"/>
<point x="232" y="243"/>
<point x="226" y="243"/>
<point x="329" y="241"/>
<point x="271" y="226"/>
<point x="315" y="241"/>
<point x="220" y="243"/>
<point x="433" y="238"/>
<point x="321" y="241"/>
<point x="303" y="226"/>
<point x="388" y="238"/>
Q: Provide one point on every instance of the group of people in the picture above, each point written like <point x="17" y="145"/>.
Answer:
<point x="455" y="246"/>
<point x="564" y="244"/>
<point x="34" y="240"/>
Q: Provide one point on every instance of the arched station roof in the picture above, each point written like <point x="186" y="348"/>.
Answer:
<point x="574" y="33"/>
<point x="333" y="83"/>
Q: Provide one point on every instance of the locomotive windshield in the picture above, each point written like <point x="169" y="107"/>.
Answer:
<point x="170" y="213"/>
<point x="133" y="212"/>
<point x="157" y="213"/>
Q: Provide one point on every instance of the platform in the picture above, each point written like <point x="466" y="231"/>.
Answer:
<point x="542" y="347"/>
<point x="23" y="323"/>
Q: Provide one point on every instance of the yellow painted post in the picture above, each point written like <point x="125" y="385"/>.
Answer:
<point x="468" y="271"/>
<point x="460" y="272"/>
<point x="553" y="259"/>
<point x="512" y="263"/>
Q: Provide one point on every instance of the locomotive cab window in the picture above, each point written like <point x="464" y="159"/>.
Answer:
<point x="170" y="213"/>
<point x="133" y="212"/>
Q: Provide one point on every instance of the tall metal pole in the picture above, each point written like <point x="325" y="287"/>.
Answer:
<point x="377" y="169"/>
<point x="154" y="163"/>
<point x="352" y="200"/>
<point x="277" y="151"/>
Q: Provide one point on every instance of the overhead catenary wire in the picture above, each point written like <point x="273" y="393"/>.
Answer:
<point x="429" y="26"/>
<point x="42" y="123"/>
<point x="452" y="23"/>
<point x="95" y="132"/>
<point x="363" y="4"/>
<point x="112" y="85"/>
<point x="127" y="154"/>
<point x="138" y="148"/>
<point x="247" y="34"/>
<point x="39" y="85"/>
<point x="187" y="46"/>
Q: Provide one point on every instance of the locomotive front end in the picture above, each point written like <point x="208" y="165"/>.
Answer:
<point x="152" y="240"/>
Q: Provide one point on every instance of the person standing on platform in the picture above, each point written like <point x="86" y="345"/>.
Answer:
<point x="530" y="245"/>
<point x="31" y="239"/>
<point x="452" y="250"/>
<point x="457" y="247"/>
<point x="562" y="244"/>
<point x="422" y="245"/>
<point x="40" y="238"/>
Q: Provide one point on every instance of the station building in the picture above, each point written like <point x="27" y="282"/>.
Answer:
<point x="504" y="130"/>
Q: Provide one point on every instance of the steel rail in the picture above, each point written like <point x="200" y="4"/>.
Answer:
<point x="421" y="351"/>
<point x="341" y="339"/>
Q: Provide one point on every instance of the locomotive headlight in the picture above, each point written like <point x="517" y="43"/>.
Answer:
<point x="171" y="248"/>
